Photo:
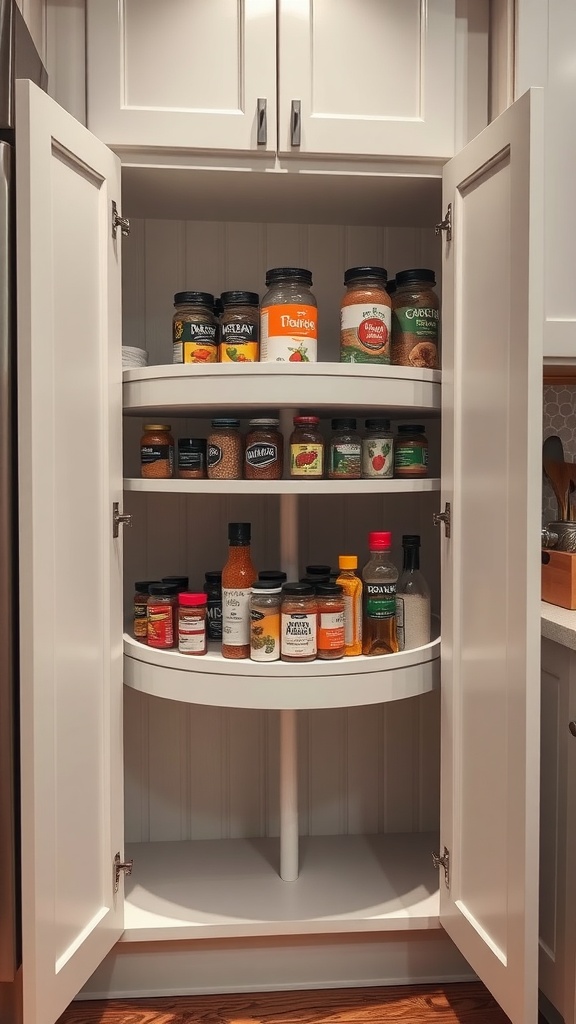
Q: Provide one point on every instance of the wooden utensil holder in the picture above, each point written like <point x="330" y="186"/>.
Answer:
<point x="559" y="578"/>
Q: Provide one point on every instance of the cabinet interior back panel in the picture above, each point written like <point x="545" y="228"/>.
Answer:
<point x="201" y="772"/>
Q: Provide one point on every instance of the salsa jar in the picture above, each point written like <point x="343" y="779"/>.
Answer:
<point x="240" y="327"/>
<point x="156" y="452"/>
<point x="161" y="608"/>
<point x="299" y="623"/>
<point x="265" y="600"/>
<point x="288" y="317"/>
<point x="365" y="317"/>
<point x="192" y="624"/>
<point x="224" y="450"/>
<point x="194" y="328"/>
<point x="411" y="452"/>
<point x="344" y="451"/>
<point x="191" y="458"/>
<point x="415" y="319"/>
<point x="306" y="448"/>
<point x="331" y="637"/>
<point x="378" y="450"/>
<point x="264" y="451"/>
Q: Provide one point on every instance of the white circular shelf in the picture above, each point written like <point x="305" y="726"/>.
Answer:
<point x="282" y="486"/>
<point x="217" y="681"/>
<point x="184" y="390"/>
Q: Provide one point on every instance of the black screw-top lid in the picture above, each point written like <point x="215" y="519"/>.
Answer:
<point x="240" y="298"/>
<point x="272" y="574"/>
<point x="218" y="306"/>
<point x="411" y="428"/>
<point x="334" y="575"/>
<point x="318" y="570"/>
<point x="178" y="581"/>
<point x="274" y="584"/>
<point x="313" y="581"/>
<point x="411" y="540"/>
<point x="358" y="273"/>
<point x="298" y="589"/>
<point x="404" y="277"/>
<point x="391" y="286"/>
<point x="192" y="444"/>
<point x="377" y="424"/>
<point x="194" y="299"/>
<point x="225" y="421"/>
<point x="163" y="589"/>
<point x="142" y="586"/>
<point x="288" y="273"/>
<point x="328" y="589"/>
<point x="213" y="576"/>
<point x="344" y="423"/>
<point x="239" y="533"/>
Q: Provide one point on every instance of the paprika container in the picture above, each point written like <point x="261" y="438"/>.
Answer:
<point x="192" y="623"/>
<point x="161" y="606"/>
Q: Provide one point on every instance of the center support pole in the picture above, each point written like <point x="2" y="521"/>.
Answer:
<point x="288" y="718"/>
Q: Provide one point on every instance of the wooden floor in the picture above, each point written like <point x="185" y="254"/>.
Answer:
<point x="442" y="1004"/>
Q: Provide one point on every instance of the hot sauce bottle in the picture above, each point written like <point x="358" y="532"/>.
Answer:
<point x="238" y="575"/>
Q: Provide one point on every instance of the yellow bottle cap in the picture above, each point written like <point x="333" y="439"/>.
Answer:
<point x="347" y="562"/>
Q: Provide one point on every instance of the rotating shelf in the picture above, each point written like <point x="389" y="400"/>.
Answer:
<point x="304" y="486"/>
<point x="323" y="388"/>
<point x="220" y="682"/>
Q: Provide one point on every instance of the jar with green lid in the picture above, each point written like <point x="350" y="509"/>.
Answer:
<point x="224" y="450"/>
<point x="378" y="450"/>
<point x="194" y="328"/>
<point x="415" y="319"/>
<point x="411" y="452"/>
<point x="288" y="317"/>
<point x="240" y="327"/>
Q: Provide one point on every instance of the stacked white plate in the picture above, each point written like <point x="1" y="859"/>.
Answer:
<point x="132" y="357"/>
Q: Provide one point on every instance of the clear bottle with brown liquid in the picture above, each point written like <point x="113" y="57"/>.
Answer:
<point x="380" y="576"/>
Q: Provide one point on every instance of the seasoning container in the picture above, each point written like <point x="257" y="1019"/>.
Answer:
<point x="365" y="317"/>
<point x="319" y="570"/>
<point x="415" y="319"/>
<point x="240" y="327"/>
<point x="380" y="576"/>
<point x="306" y="448"/>
<point x="391" y="289"/>
<point x="160" y="610"/>
<point x="265" y="602"/>
<point x="180" y="582"/>
<point x="344" y="451"/>
<point x="218" y="310"/>
<point x="330" y="600"/>
<point x="273" y="575"/>
<point x="352" y="590"/>
<point x="141" y="609"/>
<point x="156" y="452"/>
<point x="192" y="623"/>
<point x="299" y="623"/>
<point x="313" y="581"/>
<point x="224" y="450"/>
<point x="191" y="458"/>
<point x="238" y="575"/>
<point x="264" y="451"/>
<point x="411" y="452"/>
<point x="412" y="599"/>
<point x="378" y="451"/>
<point x="194" y="328"/>
<point x="288" y="317"/>
<point x="213" y="590"/>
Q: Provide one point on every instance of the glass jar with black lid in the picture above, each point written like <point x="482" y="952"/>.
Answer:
<point x="240" y="327"/>
<point x="191" y="458"/>
<point x="194" y="328"/>
<point x="288" y="317"/>
<point x="213" y="590"/>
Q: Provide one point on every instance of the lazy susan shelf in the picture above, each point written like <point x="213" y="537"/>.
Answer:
<point x="282" y="486"/>
<point x="220" y="682"/>
<point x="323" y="388"/>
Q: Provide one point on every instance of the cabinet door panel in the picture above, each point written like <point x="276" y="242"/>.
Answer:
<point x="374" y="78"/>
<point x="492" y="422"/>
<point x="69" y="374"/>
<point x="186" y="75"/>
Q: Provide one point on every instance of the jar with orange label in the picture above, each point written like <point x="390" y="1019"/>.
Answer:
<point x="288" y="318"/>
<point x="331" y="638"/>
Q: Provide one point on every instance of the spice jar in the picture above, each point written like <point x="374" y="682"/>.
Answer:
<point x="319" y="570"/>
<point x="411" y="452"/>
<point x="265" y="602"/>
<point x="378" y="451"/>
<point x="271" y="575"/>
<point x="194" y="328"/>
<point x="240" y="327"/>
<point x="141" y="609"/>
<point x="213" y="591"/>
<point x="288" y="317"/>
<point x="160" y="615"/>
<point x="191" y="458"/>
<point x="331" y="639"/>
<point x="415" y="319"/>
<point x="306" y="448"/>
<point x="192" y="623"/>
<point x="344" y="451"/>
<point x="299" y="623"/>
<point x="156" y="452"/>
<point x="180" y="582"/>
<point x="224" y="450"/>
<point x="365" y="317"/>
<point x="264" y="452"/>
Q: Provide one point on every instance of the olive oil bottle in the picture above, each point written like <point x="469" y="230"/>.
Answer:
<point x="380" y="576"/>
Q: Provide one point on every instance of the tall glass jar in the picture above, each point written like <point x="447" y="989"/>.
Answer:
<point x="288" y="317"/>
<point x="365" y="317"/>
<point x="299" y="623"/>
<point x="240" y="327"/>
<point x="265" y="602"/>
<point x="306" y="448"/>
<point x="224" y="450"/>
<point x="194" y="328"/>
<point x="156" y="452"/>
<point x="415" y="319"/>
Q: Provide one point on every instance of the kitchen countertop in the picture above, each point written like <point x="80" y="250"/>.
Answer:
<point x="559" y="624"/>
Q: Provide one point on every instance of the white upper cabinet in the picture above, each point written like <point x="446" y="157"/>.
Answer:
<point x="374" y="77"/>
<point x="491" y="476"/>
<point x="183" y="75"/>
<point x="70" y="430"/>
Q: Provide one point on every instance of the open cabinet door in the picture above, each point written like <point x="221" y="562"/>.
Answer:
<point x="69" y="426"/>
<point x="491" y="476"/>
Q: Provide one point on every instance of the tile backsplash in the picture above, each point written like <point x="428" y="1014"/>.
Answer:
<point x="559" y="418"/>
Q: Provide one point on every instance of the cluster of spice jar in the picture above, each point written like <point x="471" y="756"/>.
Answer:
<point x="381" y="321"/>
<point x="226" y="454"/>
<point x="326" y="614"/>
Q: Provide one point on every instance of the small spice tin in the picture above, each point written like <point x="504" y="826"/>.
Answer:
<point x="378" y="450"/>
<point x="192" y="623"/>
<point x="264" y="452"/>
<point x="156" y="452"/>
<point x="224" y="454"/>
<point x="191" y="458"/>
<point x="240" y="327"/>
<point x="411" y="452"/>
<point x="194" y="328"/>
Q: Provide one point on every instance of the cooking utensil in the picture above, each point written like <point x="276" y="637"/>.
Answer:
<point x="560" y="475"/>
<point x="553" y="451"/>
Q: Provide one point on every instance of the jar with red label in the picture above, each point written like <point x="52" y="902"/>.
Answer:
<point x="331" y="639"/>
<point x="365" y="317"/>
<point x="306" y="448"/>
<point x="288" y="317"/>
<point x="192" y="623"/>
<point x="160" y="615"/>
<point x="264" y="451"/>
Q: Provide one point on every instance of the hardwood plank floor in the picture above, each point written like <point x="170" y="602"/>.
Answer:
<point x="468" y="1003"/>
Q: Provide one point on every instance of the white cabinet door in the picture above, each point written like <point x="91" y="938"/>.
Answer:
<point x="182" y="76"/>
<point x="69" y="424"/>
<point x="374" y="77"/>
<point x="491" y="475"/>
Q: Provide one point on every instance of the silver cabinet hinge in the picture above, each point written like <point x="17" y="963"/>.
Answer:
<point x="119" y="222"/>
<point x="443" y="862"/>
<point x="119" y="519"/>
<point x="443" y="517"/>
<point x="121" y="865"/>
<point x="446" y="224"/>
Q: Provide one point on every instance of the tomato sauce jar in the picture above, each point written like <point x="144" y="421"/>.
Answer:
<point x="306" y="448"/>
